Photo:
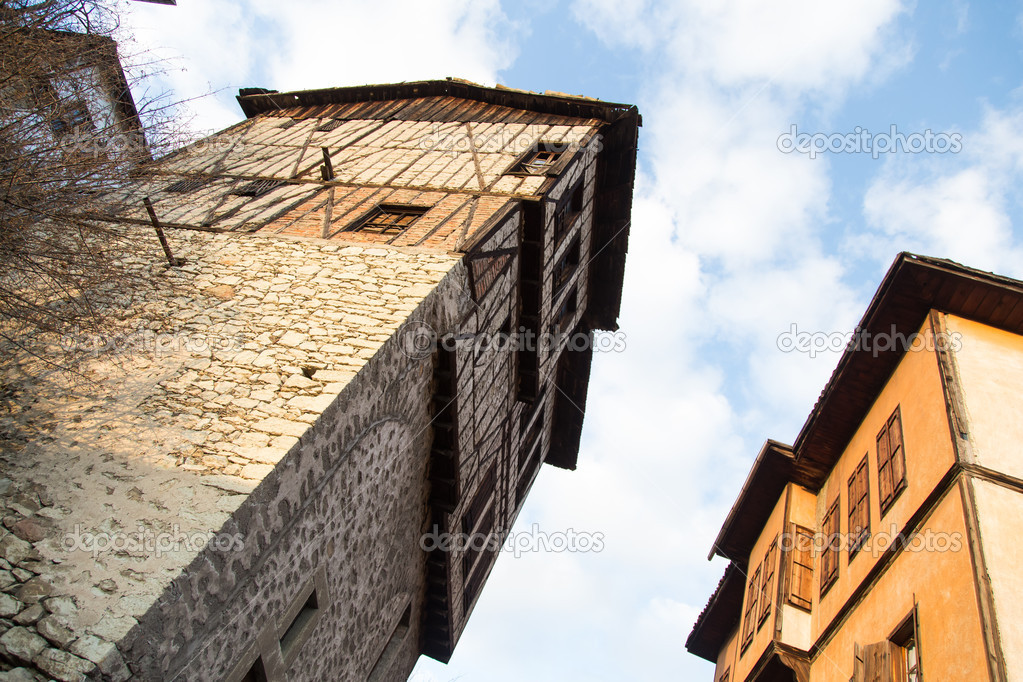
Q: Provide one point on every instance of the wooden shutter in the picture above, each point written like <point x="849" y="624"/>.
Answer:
<point x="898" y="453"/>
<point x="857" y="675"/>
<point x="829" y="556"/>
<point x="767" y="591"/>
<point x="800" y="568"/>
<point x="859" y="508"/>
<point x="878" y="662"/>
<point x="750" y="617"/>
<point x="891" y="461"/>
<point x="885" y="487"/>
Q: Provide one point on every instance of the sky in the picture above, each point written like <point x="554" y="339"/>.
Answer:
<point x="742" y="233"/>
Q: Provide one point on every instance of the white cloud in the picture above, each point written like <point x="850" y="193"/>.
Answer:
<point x="352" y="42"/>
<point x="315" y="44"/>
<point x="802" y="45"/>
<point x="959" y="207"/>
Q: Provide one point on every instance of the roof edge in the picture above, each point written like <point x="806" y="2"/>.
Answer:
<point x="774" y="456"/>
<point x="255" y="101"/>
<point x="720" y="609"/>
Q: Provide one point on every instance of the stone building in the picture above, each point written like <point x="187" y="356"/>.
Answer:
<point x="67" y="93"/>
<point x="238" y="486"/>
<point x="883" y="545"/>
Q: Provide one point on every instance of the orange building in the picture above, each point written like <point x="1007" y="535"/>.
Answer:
<point x="882" y="545"/>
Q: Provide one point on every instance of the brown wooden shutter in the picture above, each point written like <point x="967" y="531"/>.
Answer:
<point x="750" y="616"/>
<point x="885" y="486"/>
<point x="829" y="557"/>
<point x="859" y="507"/>
<point x="857" y="675"/>
<point x="767" y="591"/>
<point x="898" y="452"/>
<point x="878" y="660"/>
<point x="800" y="571"/>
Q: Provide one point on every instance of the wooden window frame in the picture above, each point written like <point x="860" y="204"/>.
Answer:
<point x="189" y="184"/>
<point x="891" y="461"/>
<point x="566" y="311"/>
<point x="859" y="507"/>
<point x="555" y="154"/>
<point x="373" y="221"/>
<point x="257" y="188"/>
<point x="74" y="116"/>
<point x="749" y="617"/>
<point x="329" y="125"/>
<point x="767" y="586"/>
<point x="568" y="210"/>
<point x="799" y="569"/>
<point x="567" y="265"/>
<point x="908" y="632"/>
<point x="830" y="526"/>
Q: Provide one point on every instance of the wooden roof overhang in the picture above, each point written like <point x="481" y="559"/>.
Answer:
<point x="461" y="101"/>
<point x="913" y="286"/>
<point x="720" y="617"/>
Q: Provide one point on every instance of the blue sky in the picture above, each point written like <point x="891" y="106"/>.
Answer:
<point x="733" y="242"/>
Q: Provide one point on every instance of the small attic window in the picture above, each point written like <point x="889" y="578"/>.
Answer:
<point x="332" y="124"/>
<point x="187" y="185"/>
<point x="257" y="188"/>
<point x="539" y="160"/>
<point x="389" y="219"/>
<point x="75" y="116"/>
<point x="290" y="123"/>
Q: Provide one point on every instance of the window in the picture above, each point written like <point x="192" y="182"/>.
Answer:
<point x="290" y="123"/>
<point x="891" y="461"/>
<point x="257" y="188"/>
<point x="540" y="160"/>
<point x="906" y="640"/>
<point x="749" y="618"/>
<point x="478" y="522"/>
<point x="800" y="573"/>
<point x="895" y="660"/>
<point x="567" y="310"/>
<point x="388" y="219"/>
<point x="859" y="508"/>
<point x="725" y="676"/>
<point x="75" y="115"/>
<point x="530" y="448"/>
<point x="766" y="589"/>
<point x="257" y="673"/>
<point x="566" y="266"/>
<point x="910" y="662"/>
<point x="300" y="628"/>
<point x="187" y="185"/>
<point x="829" y="557"/>
<point x="567" y="212"/>
<point x="327" y="126"/>
<point x="393" y="647"/>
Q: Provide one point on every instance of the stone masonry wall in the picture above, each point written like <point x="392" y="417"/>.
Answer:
<point x="232" y="358"/>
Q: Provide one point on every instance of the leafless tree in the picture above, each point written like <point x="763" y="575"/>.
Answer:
<point x="70" y="135"/>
